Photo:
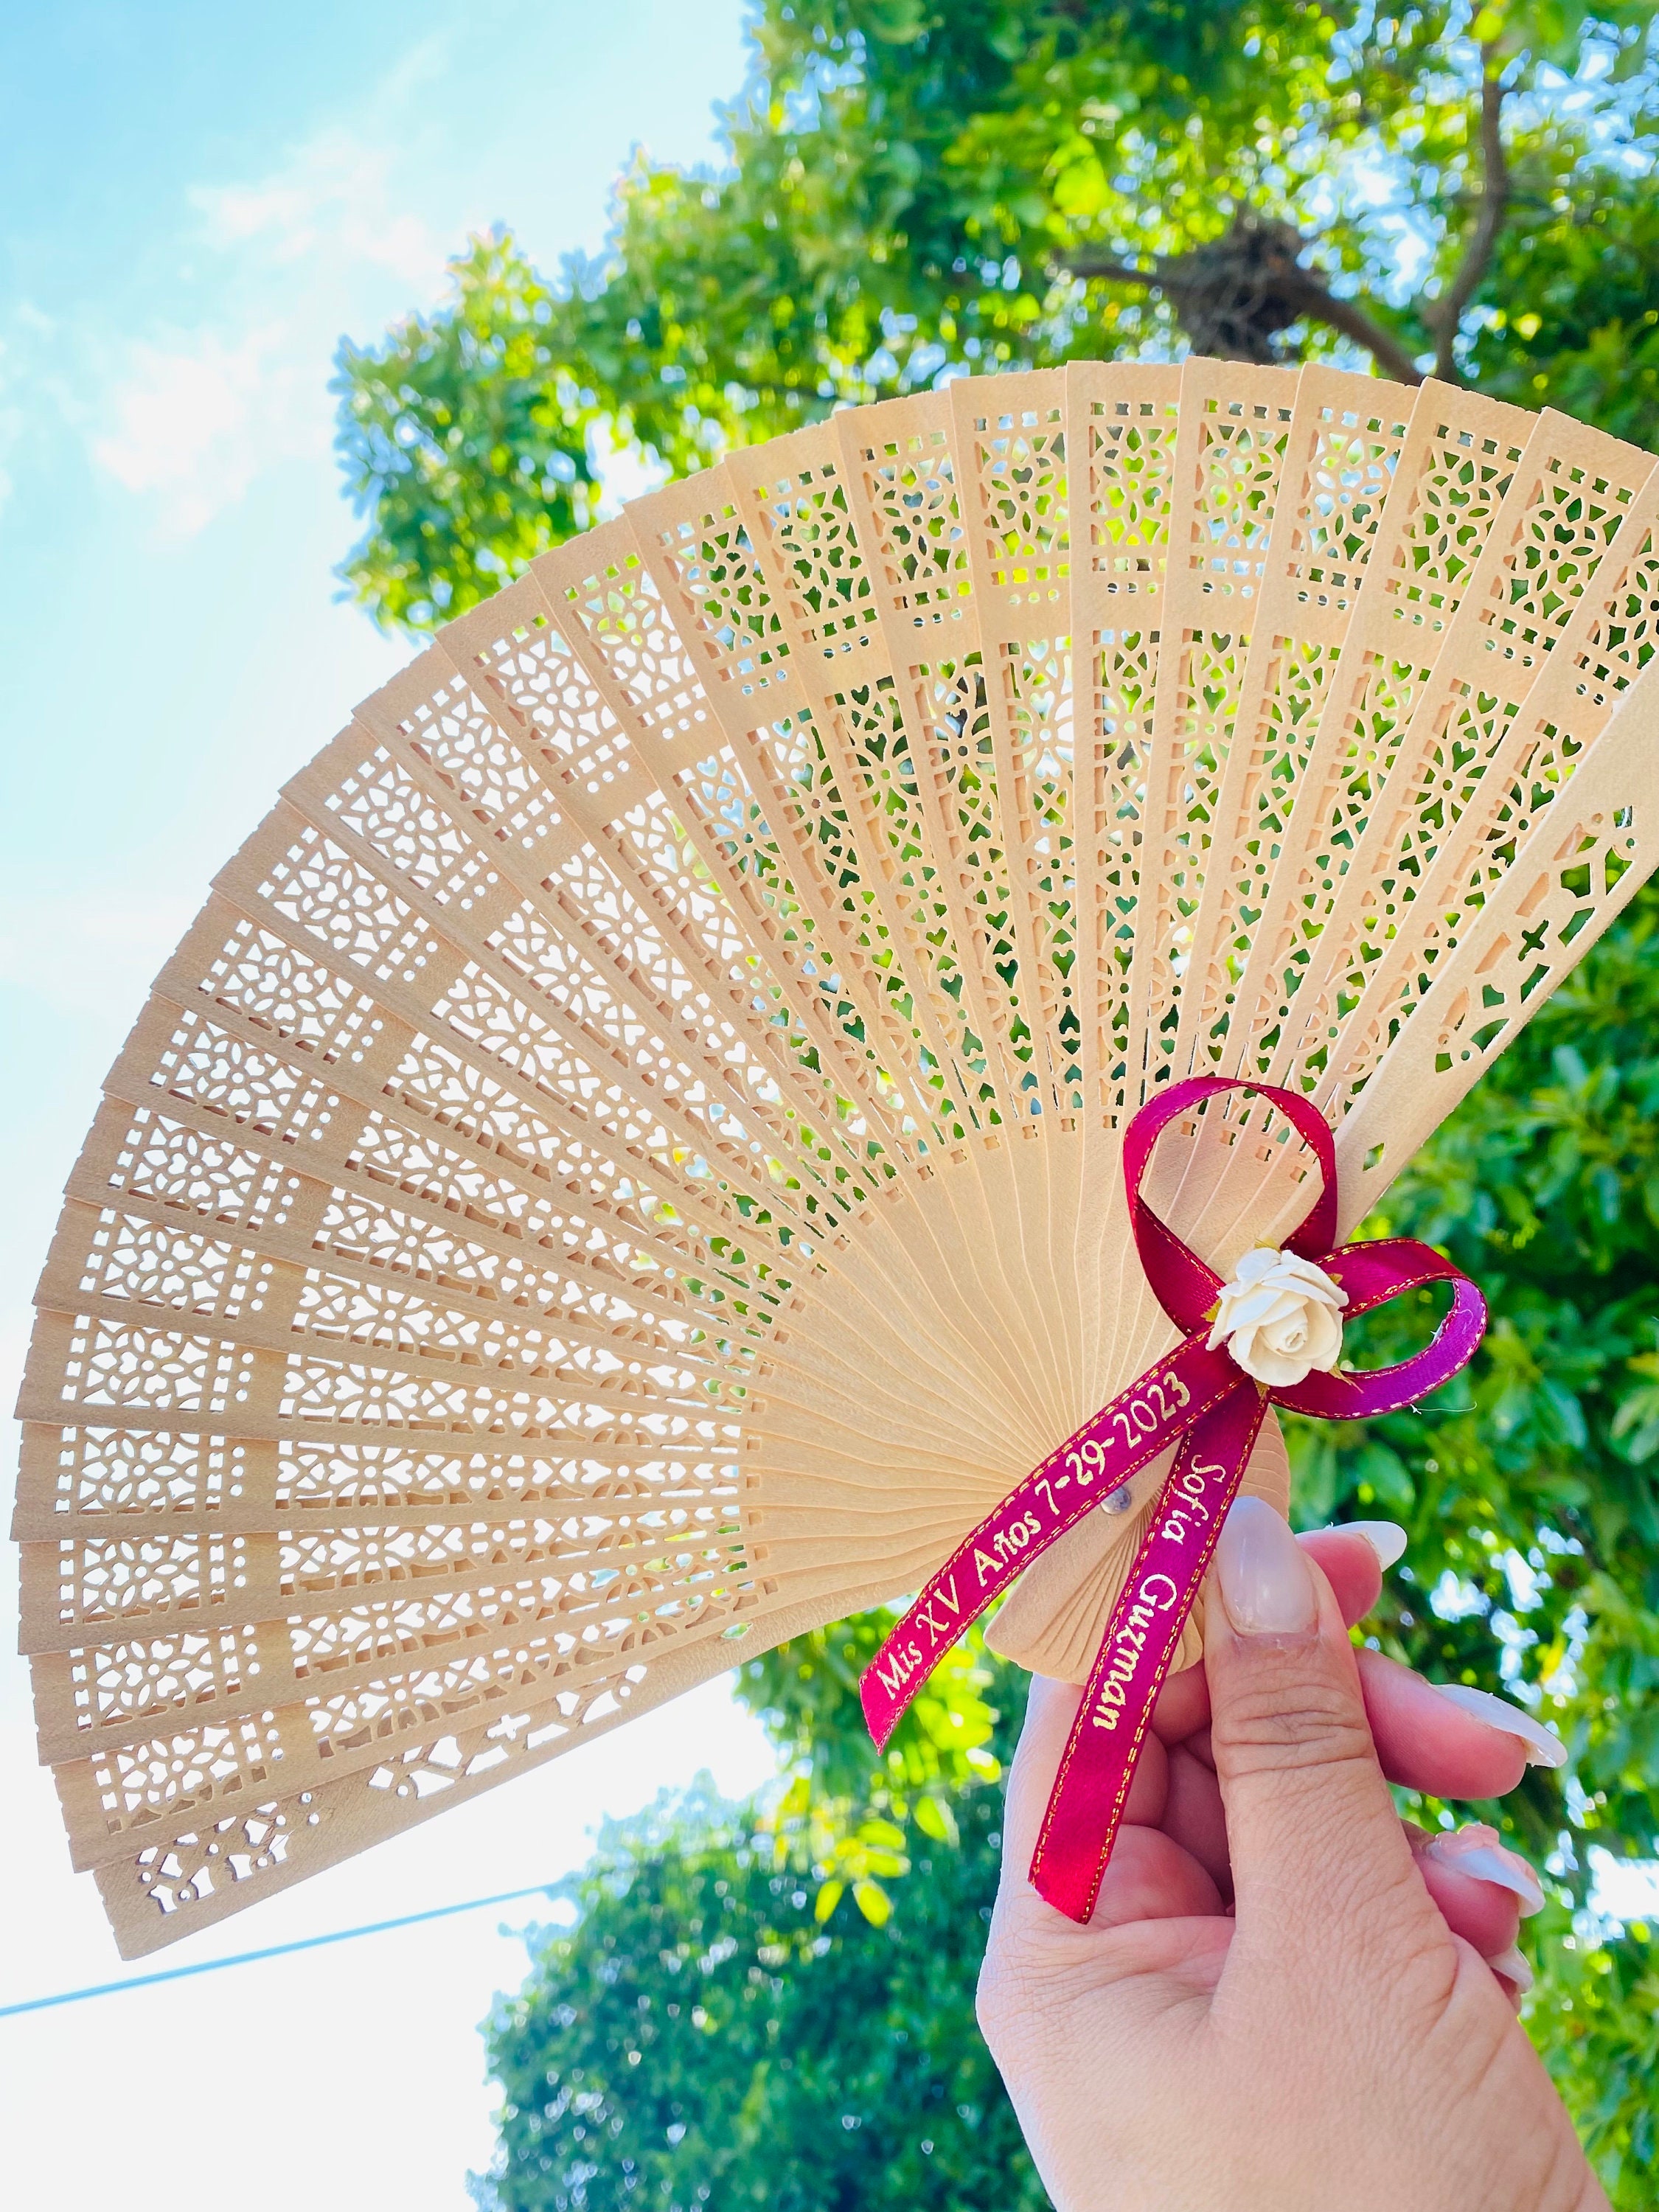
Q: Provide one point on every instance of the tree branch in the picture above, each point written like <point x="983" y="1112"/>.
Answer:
<point x="1313" y="299"/>
<point x="1444" y="316"/>
<point x="1294" y="291"/>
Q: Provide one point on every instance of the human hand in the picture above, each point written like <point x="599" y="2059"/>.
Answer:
<point x="1284" y="1999"/>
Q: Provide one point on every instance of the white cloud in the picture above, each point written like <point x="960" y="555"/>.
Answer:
<point x="190" y="418"/>
<point x="332" y="200"/>
<point x="185" y="421"/>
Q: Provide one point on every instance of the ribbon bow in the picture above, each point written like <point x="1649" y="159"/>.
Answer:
<point x="1203" y="1399"/>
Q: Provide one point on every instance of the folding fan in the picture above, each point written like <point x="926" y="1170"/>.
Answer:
<point x="625" y="1167"/>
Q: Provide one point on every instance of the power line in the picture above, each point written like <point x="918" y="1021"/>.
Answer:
<point x="276" y="1950"/>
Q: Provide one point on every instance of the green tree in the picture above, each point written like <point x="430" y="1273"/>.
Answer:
<point x="913" y="190"/>
<point x="701" y="2038"/>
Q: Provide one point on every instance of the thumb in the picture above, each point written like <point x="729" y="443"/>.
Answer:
<point x="1318" y="1853"/>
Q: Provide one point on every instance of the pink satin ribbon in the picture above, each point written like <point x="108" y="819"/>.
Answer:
<point x="1203" y="1402"/>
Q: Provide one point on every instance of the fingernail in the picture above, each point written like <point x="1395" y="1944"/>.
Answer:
<point x="1514" y="1968"/>
<point x="1386" y="1538"/>
<point x="1543" y="1749"/>
<point x="1265" y="1584"/>
<point x="1476" y="1851"/>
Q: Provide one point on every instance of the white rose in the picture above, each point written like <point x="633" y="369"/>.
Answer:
<point x="1279" y="1317"/>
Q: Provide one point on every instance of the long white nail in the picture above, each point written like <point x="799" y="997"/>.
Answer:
<point x="1543" y="1749"/>
<point x="1476" y="1851"/>
<point x="1514" y="1968"/>
<point x="1265" y="1584"/>
<point x="1386" y="1538"/>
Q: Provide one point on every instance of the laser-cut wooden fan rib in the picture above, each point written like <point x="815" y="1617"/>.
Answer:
<point x="627" y="1155"/>
<point x="1123" y="424"/>
<point x="1235" y="425"/>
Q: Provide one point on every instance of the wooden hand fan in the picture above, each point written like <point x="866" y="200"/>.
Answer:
<point x="627" y="1159"/>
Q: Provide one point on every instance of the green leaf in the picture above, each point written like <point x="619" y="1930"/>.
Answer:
<point x="1384" y="1473"/>
<point x="935" y="1818"/>
<point x="796" y="1799"/>
<point x="883" y="1832"/>
<point x="873" y="1902"/>
<point x="1080" y="187"/>
<point x="1569" y="1414"/>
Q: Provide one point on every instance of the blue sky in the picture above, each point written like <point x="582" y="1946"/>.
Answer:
<point x="196" y="201"/>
